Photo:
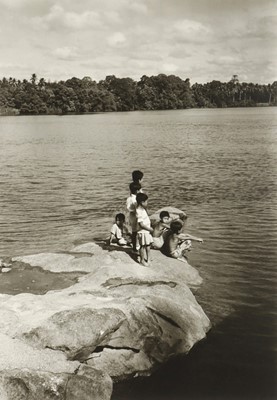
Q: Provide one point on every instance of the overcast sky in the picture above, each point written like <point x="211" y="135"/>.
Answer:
<point x="198" y="39"/>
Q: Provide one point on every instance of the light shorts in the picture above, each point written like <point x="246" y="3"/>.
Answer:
<point x="144" y="238"/>
<point x="158" y="242"/>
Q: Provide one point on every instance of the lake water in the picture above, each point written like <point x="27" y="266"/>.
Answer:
<point x="62" y="179"/>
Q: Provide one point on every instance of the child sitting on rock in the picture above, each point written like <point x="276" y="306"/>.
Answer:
<point x="177" y="243"/>
<point x="159" y="230"/>
<point x="119" y="231"/>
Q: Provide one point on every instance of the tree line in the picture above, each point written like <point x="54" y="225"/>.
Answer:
<point x="160" y="92"/>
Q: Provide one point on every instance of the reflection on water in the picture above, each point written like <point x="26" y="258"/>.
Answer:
<point x="62" y="179"/>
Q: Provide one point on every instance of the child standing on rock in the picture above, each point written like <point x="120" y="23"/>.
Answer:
<point x="144" y="237"/>
<point x="137" y="177"/>
<point x="131" y="205"/>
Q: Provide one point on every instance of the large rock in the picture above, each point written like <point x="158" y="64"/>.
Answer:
<point x="27" y="384"/>
<point x="120" y="320"/>
<point x="77" y="332"/>
<point x="32" y="374"/>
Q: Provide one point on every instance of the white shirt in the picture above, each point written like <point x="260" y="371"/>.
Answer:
<point x="131" y="203"/>
<point x="142" y="217"/>
<point x="116" y="231"/>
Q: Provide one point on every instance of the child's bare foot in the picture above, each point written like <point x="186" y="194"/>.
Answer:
<point x="144" y="263"/>
<point x="183" y="259"/>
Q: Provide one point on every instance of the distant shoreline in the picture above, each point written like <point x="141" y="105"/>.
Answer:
<point x="160" y="92"/>
<point x="16" y="113"/>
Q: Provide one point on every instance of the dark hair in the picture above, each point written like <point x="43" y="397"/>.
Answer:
<point x="164" y="214"/>
<point x="141" y="197"/>
<point x="134" y="187"/>
<point x="176" y="226"/>
<point x="120" y="217"/>
<point x="137" y="175"/>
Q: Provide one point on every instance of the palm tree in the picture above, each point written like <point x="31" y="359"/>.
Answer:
<point x="33" y="79"/>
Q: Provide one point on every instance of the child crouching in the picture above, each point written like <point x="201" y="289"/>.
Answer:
<point x="159" y="230"/>
<point x="177" y="243"/>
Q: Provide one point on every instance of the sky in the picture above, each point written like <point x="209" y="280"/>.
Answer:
<point x="202" y="40"/>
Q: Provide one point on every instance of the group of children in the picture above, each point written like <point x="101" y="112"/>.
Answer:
<point x="166" y="234"/>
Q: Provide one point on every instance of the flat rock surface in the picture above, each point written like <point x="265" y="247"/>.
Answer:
<point x="119" y="320"/>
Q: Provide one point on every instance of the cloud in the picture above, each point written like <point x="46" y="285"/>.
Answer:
<point x="6" y="65"/>
<point x="13" y="4"/>
<point x="181" y="51"/>
<point x="15" y="69"/>
<point x="169" y="68"/>
<point x="58" y="18"/>
<point x="117" y="39"/>
<point x="26" y="8"/>
<point x="139" y="8"/>
<point x="188" y="27"/>
<point x="200" y="39"/>
<point x="262" y="28"/>
<point x="265" y="27"/>
<point x="224" y="60"/>
<point x="112" y="17"/>
<point x="65" y="53"/>
<point x="186" y="30"/>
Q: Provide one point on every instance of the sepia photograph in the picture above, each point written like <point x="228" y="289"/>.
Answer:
<point x="138" y="200"/>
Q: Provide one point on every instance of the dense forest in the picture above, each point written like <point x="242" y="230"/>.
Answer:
<point x="161" y="92"/>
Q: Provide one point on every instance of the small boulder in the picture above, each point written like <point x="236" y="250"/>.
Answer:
<point x="174" y="213"/>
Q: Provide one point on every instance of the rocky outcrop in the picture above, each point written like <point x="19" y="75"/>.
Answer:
<point x="29" y="373"/>
<point x="120" y="320"/>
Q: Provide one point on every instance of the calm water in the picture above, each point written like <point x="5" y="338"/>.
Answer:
<point x="62" y="179"/>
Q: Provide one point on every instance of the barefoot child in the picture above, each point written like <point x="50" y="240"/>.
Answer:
<point x="119" y="230"/>
<point x="159" y="230"/>
<point x="131" y="205"/>
<point x="176" y="243"/>
<point x="144" y="238"/>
